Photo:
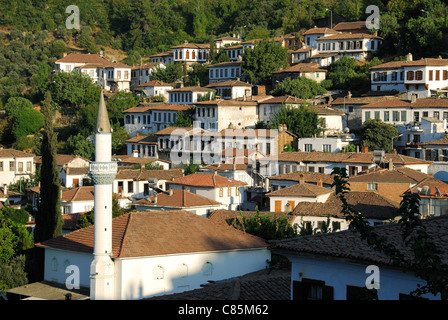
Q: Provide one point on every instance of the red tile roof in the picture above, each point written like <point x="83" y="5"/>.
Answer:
<point x="371" y="204"/>
<point x="207" y="180"/>
<point x="152" y="233"/>
<point x="145" y="107"/>
<point x="144" y="175"/>
<point x="177" y="198"/>
<point x="317" y="30"/>
<point x="348" y="244"/>
<point x="430" y="188"/>
<point x="12" y="153"/>
<point x="343" y="36"/>
<point x="313" y="177"/>
<point x="303" y="189"/>
<point x="396" y="175"/>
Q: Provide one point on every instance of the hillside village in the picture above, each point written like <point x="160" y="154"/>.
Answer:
<point x="185" y="192"/>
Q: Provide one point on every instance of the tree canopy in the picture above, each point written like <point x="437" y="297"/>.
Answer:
<point x="265" y="58"/>
<point x="302" y="88"/>
<point x="378" y="135"/>
<point x="301" y="121"/>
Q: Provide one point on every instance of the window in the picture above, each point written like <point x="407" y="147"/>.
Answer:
<point x="436" y="115"/>
<point x="418" y="75"/>
<point x="425" y="114"/>
<point x="367" y="115"/>
<point x="430" y="75"/>
<point x="1" y="165"/>
<point x="416" y="116"/>
<point x="221" y="192"/>
<point x="437" y="75"/>
<point x="11" y="165"/>
<point x="403" y="116"/>
<point x="386" y="116"/>
<point x="182" y="269"/>
<point x="158" y="273"/>
<point x="118" y="74"/>
<point x="326" y="148"/>
<point x="237" y="191"/>
<point x="372" y="186"/>
<point x="377" y="114"/>
<point x="394" y="76"/>
<point x="308" y="147"/>
<point x="445" y="74"/>
<point x="309" y="289"/>
<point x="410" y="75"/>
<point x="130" y="186"/>
<point x="207" y="269"/>
<point x="395" y="116"/>
<point x="229" y="192"/>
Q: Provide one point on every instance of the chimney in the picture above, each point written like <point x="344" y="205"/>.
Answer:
<point x="155" y="198"/>
<point x="413" y="97"/>
<point x="64" y="54"/>
<point x="170" y="192"/>
<point x="409" y="57"/>
<point x="5" y="189"/>
<point x="349" y="94"/>
<point x="320" y="183"/>
<point x="301" y="179"/>
<point x="135" y="153"/>
<point x="391" y="165"/>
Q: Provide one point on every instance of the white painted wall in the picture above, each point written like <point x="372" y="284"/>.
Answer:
<point x="340" y="274"/>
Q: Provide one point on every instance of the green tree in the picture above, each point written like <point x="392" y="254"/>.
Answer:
<point x="185" y="118"/>
<point x="302" y="88"/>
<point x="302" y="121"/>
<point x="27" y="122"/>
<point x="73" y="89"/>
<point x="171" y="73"/>
<point x="48" y="218"/>
<point x="80" y="146"/>
<point x="377" y="135"/>
<point x="265" y="58"/>
<point x="266" y="226"/>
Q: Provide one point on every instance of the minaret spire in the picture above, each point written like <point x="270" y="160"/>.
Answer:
<point x="103" y="171"/>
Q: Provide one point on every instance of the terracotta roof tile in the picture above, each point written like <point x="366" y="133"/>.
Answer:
<point x="312" y="177"/>
<point x="172" y="232"/>
<point x="300" y="190"/>
<point x="177" y="198"/>
<point x="348" y="245"/>
<point x="301" y="67"/>
<point x="144" y="175"/>
<point x="396" y="175"/>
<point x="207" y="180"/>
<point x="145" y="107"/>
<point x="12" y="153"/>
<point x="343" y="36"/>
<point x="316" y="30"/>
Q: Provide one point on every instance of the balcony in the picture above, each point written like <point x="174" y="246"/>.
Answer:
<point x="414" y="145"/>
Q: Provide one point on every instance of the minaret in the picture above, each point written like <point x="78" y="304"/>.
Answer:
<point x="103" y="171"/>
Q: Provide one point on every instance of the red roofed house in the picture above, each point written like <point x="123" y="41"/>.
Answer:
<point x="142" y="73"/>
<point x="227" y="191"/>
<point x="178" y="200"/>
<point x="341" y="266"/>
<point x="159" y="252"/>
<point x="108" y="75"/>
<point x="433" y="196"/>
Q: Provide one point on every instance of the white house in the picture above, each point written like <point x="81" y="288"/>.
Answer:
<point x="225" y="71"/>
<point x="216" y="115"/>
<point x="327" y="144"/>
<point x="311" y="35"/>
<point x="150" y="117"/>
<point x="182" y="252"/>
<point x="358" y="45"/>
<point x="325" y="162"/>
<point x="339" y="265"/>
<point x="231" y="89"/>
<point x="178" y="200"/>
<point x="417" y="120"/>
<point x="307" y="70"/>
<point x="425" y="77"/>
<point x="140" y="183"/>
<point x="222" y="42"/>
<point x="303" y="55"/>
<point x="227" y="191"/>
<point x="109" y="75"/>
<point x="154" y="88"/>
<point x="15" y="165"/>
<point x="286" y="199"/>
<point x="142" y="74"/>
<point x="164" y="57"/>
<point x="190" y="53"/>
<point x="187" y="95"/>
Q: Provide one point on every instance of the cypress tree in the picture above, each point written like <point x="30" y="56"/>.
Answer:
<point x="48" y="217"/>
